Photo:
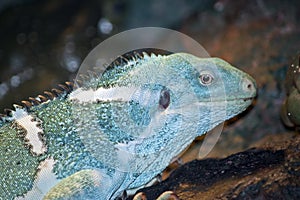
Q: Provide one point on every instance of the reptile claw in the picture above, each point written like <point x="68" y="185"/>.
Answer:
<point x="168" y="195"/>
<point x="140" y="196"/>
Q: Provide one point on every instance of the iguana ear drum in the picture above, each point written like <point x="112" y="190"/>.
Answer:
<point x="164" y="99"/>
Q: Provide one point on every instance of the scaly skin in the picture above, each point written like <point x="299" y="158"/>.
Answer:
<point x="118" y="131"/>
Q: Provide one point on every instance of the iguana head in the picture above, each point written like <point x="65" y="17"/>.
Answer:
<point x="216" y="89"/>
<point x="159" y="104"/>
<point x="203" y="91"/>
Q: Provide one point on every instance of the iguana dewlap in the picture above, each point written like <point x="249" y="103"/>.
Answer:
<point x="117" y="131"/>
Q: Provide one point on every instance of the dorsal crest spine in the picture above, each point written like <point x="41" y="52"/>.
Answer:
<point x="65" y="88"/>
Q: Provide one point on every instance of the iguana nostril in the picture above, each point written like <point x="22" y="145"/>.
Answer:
<point x="248" y="85"/>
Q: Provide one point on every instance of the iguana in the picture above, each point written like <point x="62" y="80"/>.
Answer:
<point x="117" y="131"/>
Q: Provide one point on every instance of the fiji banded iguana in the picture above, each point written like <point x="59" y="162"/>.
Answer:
<point x="117" y="131"/>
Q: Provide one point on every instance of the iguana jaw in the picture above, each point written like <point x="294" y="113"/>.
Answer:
<point x="247" y="101"/>
<point x="227" y="100"/>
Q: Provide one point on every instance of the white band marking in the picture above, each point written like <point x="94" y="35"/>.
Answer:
<point x="103" y="94"/>
<point x="30" y="125"/>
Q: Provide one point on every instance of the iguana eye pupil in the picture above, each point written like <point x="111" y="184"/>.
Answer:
<point x="206" y="79"/>
<point x="164" y="99"/>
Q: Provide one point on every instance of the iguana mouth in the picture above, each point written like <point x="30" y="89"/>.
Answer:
<point x="229" y="100"/>
<point x="241" y="99"/>
<point x="249" y="98"/>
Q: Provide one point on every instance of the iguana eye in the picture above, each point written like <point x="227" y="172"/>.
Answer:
<point x="206" y="78"/>
<point x="164" y="99"/>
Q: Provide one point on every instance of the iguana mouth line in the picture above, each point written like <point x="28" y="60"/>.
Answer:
<point x="240" y="99"/>
<point x="249" y="98"/>
<point x="230" y="100"/>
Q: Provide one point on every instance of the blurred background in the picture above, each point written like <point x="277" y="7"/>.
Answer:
<point x="42" y="44"/>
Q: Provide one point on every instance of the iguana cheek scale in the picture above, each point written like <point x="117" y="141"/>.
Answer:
<point x="118" y="131"/>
